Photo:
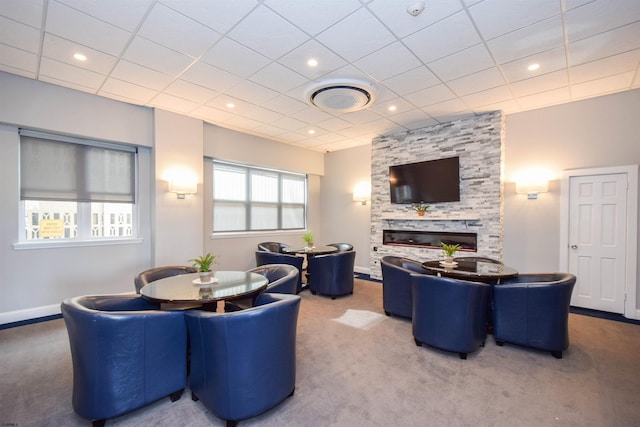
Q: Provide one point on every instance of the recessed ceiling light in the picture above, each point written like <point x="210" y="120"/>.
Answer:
<point x="230" y="105"/>
<point x="392" y="108"/>
<point x="311" y="131"/>
<point x="79" y="57"/>
<point x="312" y="62"/>
<point x="533" y="67"/>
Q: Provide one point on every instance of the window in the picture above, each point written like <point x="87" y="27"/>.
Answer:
<point x="257" y="199"/>
<point x="75" y="189"/>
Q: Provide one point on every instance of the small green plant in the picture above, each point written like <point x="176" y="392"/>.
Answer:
<point x="308" y="238"/>
<point x="449" y="250"/>
<point x="421" y="207"/>
<point x="204" y="262"/>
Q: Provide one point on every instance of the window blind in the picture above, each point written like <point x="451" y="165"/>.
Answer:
<point x="60" y="168"/>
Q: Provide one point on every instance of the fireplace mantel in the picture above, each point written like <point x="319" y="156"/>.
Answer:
<point x="427" y="217"/>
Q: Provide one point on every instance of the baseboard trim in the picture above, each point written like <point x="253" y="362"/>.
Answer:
<point x="603" y="315"/>
<point x="29" y="315"/>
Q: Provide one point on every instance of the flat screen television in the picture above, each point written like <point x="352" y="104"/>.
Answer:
<point x="426" y="182"/>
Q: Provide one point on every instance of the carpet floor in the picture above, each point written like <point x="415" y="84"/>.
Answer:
<point x="356" y="366"/>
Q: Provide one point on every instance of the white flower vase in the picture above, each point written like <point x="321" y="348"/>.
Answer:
<point x="206" y="276"/>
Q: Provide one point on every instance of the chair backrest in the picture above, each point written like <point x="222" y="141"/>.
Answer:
<point x="158" y="273"/>
<point x="396" y="284"/>
<point x="283" y="278"/>
<point x="123" y="342"/>
<point x="332" y="274"/>
<point x="272" y="246"/>
<point x="264" y="258"/>
<point x="342" y="247"/>
<point x="411" y="266"/>
<point x="244" y="362"/>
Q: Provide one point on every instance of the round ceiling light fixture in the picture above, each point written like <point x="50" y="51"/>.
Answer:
<point x="341" y="95"/>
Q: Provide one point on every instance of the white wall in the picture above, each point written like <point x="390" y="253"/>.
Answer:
<point x="344" y="220"/>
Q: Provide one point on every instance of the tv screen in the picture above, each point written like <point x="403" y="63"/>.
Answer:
<point x="426" y="182"/>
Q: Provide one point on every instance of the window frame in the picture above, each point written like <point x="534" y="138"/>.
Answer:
<point x="247" y="203"/>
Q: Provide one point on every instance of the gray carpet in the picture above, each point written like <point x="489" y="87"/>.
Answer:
<point x="358" y="367"/>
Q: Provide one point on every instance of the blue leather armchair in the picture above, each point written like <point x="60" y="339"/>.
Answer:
<point x="158" y="273"/>
<point x="283" y="279"/>
<point x="449" y="314"/>
<point x="265" y="258"/>
<point x="396" y="284"/>
<point x="342" y="247"/>
<point x="125" y="354"/>
<point x="332" y="274"/>
<point x="244" y="363"/>
<point x="533" y="310"/>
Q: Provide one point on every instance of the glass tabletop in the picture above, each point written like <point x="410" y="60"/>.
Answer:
<point x="229" y="285"/>
<point x="470" y="270"/>
<point x="314" y="250"/>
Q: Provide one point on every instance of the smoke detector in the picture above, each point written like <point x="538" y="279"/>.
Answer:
<point x="341" y="95"/>
<point x="415" y="8"/>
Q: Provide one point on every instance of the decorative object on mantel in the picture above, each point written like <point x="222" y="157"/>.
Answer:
<point x="449" y="252"/>
<point x="421" y="209"/>
<point x="204" y="264"/>
<point x="308" y="238"/>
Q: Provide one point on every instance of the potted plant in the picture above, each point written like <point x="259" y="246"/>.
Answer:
<point x="449" y="251"/>
<point x="308" y="238"/>
<point x="421" y="208"/>
<point x="204" y="263"/>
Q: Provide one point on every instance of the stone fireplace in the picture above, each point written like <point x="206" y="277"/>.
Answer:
<point x="476" y="218"/>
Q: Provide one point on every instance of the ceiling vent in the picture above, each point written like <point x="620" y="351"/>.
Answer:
<point x="341" y="96"/>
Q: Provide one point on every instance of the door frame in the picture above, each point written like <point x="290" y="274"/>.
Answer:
<point x="631" y="249"/>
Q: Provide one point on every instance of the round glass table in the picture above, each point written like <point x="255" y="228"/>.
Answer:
<point x="476" y="270"/>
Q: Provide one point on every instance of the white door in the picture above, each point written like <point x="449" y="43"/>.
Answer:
<point x="598" y="240"/>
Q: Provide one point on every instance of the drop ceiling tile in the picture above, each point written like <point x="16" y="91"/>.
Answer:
<point x="261" y="114"/>
<point x="359" y="117"/>
<point x="26" y="12"/>
<point x="285" y="105"/>
<point x="190" y="91"/>
<point x="462" y="63"/>
<point x="482" y="80"/>
<point x="173" y="103"/>
<point x="268" y="33"/>
<point x="157" y="57"/>
<point x="311" y="115"/>
<point x="430" y="96"/>
<point x="387" y="62"/>
<point x="70" y="85"/>
<point x="252" y="92"/>
<point x="289" y="123"/>
<point x="413" y="119"/>
<point x="447" y="108"/>
<point x="222" y="102"/>
<point x="535" y="38"/>
<point x="495" y="18"/>
<point x="399" y="105"/>
<point x="212" y="115"/>
<point x="542" y="83"/>
<point x="507" y="107"/>
<point x="17" y="71"/>
<point x="616" y="64"/>
<point x="603" y="45"/>
<point x="18" y="59"/>
<point x="550" y="60"/>
<point x="278" y="77"/>
<point x="219" y="15"/>
<point x="126" y="90"/>
<point x="70" y="24"/>
<point x="210" y="77"/>
<point x="141" y="76"/>
<point x="297" y="59"/>
<point x="239" y="122"/>
<point x="62" y="50"/>
<point x="545" y="99"/>
<point x="490" y="96"/>
<point x="175" y="31"/>
<point x="363" y="30"/>
<point x="71" y="74"/>
<point x="603" y="86"/>
<point x="334" y="124"/>
<point x="443" y="38"/>
<point x="269" y="130"/>
<point x="125" y="14"/>
<point x="19" y="35"/>
<point x="408" y="82"/>
<point x="572" y="4"/>
<point x="233" y="57"/>
<point x="313" y="16"/>
<point x="600" y="16"/>
<point x="401" y="23"/>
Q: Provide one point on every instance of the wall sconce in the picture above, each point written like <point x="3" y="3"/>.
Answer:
<point x="532" y="182"/>
<point x="362" y="192"/>
<point x="182" y="188"/>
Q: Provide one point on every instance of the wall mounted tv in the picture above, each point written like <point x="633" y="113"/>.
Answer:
<point x="426" y="182"/>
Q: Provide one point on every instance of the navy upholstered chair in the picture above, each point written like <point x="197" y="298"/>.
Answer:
<point x="265" y="258"/>
<point x="332" y="274"/>
<point x="158" y="273"/>
<point x="396" y="284"/>
<point x="533" y="310"/>
<point x="125" y="354"/>
<point x="283" y="279"/>
<point x="272" y="246"/>
<point x="244" y="363"/>
<point x="449" y="314"/>
<point x="342" y="247"/>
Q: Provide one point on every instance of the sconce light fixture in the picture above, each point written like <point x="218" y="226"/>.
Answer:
<point x="362" y="192"/>
<point x="532" y="183"/>
<point x="182" y="188"/>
